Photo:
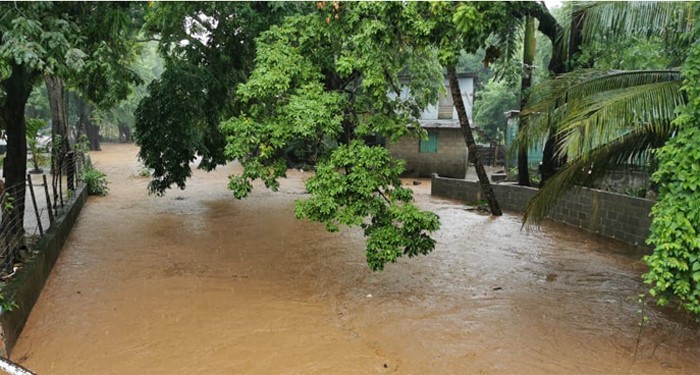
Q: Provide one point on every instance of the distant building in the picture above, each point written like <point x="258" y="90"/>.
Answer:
<point x="534" y="154"/>
<point x="444" y="152"/>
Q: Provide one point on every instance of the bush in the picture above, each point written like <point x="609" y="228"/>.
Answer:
<point x="96" y="181"/>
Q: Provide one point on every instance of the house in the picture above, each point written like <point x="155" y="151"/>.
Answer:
<point x="444" y="152"/>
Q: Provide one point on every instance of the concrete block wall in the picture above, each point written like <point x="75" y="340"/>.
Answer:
<point x="24" y="289"/>
<point x="611" y="215"/>
<point x="449" y="160"/>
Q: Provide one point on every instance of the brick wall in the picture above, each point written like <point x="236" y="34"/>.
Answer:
<point x="450" y="159"/>
<point x="612" y="215"/>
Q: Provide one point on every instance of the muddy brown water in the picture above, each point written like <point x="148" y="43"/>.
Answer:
<point x="197" y="282"/>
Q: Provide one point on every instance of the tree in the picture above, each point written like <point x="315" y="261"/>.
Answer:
<point x="33" y="41"/>
<point x="612" y="117"/>
<point x="42" y="39"/>
<point x="208" y="48"/>
<point x="525" y="83"/>
<point x="345" y="74"/>
<point x="605" y="118"/>
<point x="119" y="119"/>
<point x="466" y="27"/>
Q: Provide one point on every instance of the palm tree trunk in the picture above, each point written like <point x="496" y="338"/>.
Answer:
<point x="471" y="144"/>
<point x="525" y="84"/>
<point x="550" y="162"/>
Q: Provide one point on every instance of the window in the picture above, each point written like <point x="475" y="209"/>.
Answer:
<point x="429" y="145"/>
<point x="445" y="106"/>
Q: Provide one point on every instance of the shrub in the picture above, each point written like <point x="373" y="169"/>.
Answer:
<point x="96" y="181"/>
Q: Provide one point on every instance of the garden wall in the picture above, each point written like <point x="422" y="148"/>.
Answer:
<point x="612" y="215"/>
<point x="25" y="287"/>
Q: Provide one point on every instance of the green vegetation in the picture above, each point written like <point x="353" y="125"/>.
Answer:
<point x="95" y="180"/>
<point x="307" y="90"/>
<point x="674" y="267"/>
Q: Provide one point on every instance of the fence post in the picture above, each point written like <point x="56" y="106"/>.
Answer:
<point x="55" y="198"/>
<point x="48" y="200"/>
<point x="36" y="209"/>
<point x="70" y="171"/>
<point x="60" y="191"/>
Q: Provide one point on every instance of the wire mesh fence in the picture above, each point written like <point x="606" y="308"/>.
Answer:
<point x="28" y="210"/>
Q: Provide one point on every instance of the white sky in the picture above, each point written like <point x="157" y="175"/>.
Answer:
<point x="551" y="4"/>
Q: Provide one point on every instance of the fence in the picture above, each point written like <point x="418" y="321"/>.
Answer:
<point x="28" y="210"/>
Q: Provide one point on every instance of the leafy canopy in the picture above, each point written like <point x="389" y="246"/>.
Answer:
<point x="344" y="75"/>
<point x="208" y="48"/>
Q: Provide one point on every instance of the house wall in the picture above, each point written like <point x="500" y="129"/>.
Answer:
<point x="449" y="160"/>
<point x="466" y="85"/>
<point x="611" y="215"/>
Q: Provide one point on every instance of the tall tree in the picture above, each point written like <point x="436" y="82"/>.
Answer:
<point x="342" y="75"/>
<point x="606" y="118"/>
<point x="37" y="39"/>
<point x="466" y="26"/>
<point x="208" y="48"/>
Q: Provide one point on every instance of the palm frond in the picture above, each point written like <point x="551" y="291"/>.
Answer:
<point x="602" y="117"/>
<point x="585" y="82"/>
<point x="507" y="40"/>
<point x="594" y="106"/>
<point x="589" y="167"/>
<point x="635" y="18"/>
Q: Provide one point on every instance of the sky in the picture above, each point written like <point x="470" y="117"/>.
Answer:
<point x="551" y="4"/>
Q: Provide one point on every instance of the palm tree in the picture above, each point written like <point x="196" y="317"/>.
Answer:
<point x="604" y="119"/>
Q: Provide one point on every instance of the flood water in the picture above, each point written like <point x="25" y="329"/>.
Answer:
<point x="197" y="282"/>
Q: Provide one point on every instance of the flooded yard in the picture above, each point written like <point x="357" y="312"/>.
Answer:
<point x="199" y="282"/>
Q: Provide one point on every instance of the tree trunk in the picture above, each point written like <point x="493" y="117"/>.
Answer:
<point x="93" y="134"/>
<point x="562" y="61"/>
<point x="17" y="87"/>
<point x="91" y="131"/>
<point x="124" y="132"/>
<point x="56" y="91"/>
<point x="471" y="144"/>
<point x="525" y="84"/>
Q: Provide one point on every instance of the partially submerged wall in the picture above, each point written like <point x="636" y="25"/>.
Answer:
<point x="612" y="215"/>
<point x="449" y="160"/>
<point x="26" y="286"/>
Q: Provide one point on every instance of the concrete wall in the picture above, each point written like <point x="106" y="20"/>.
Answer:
<point x="450" y="159"/>
<point x="26" y="286"/>
<point x="609" y="214"/>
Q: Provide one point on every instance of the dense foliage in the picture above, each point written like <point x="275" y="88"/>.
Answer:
<point x="84" y="43"/>
<point x="607" y="118"/>
<point x="208" y="50"/>
<point x="674" y="267"/>
<point x="322" y="79"/>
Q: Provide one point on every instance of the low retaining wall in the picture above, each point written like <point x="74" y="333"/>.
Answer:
<point x="26" y="286"/>
<point x="612" y="215"/>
